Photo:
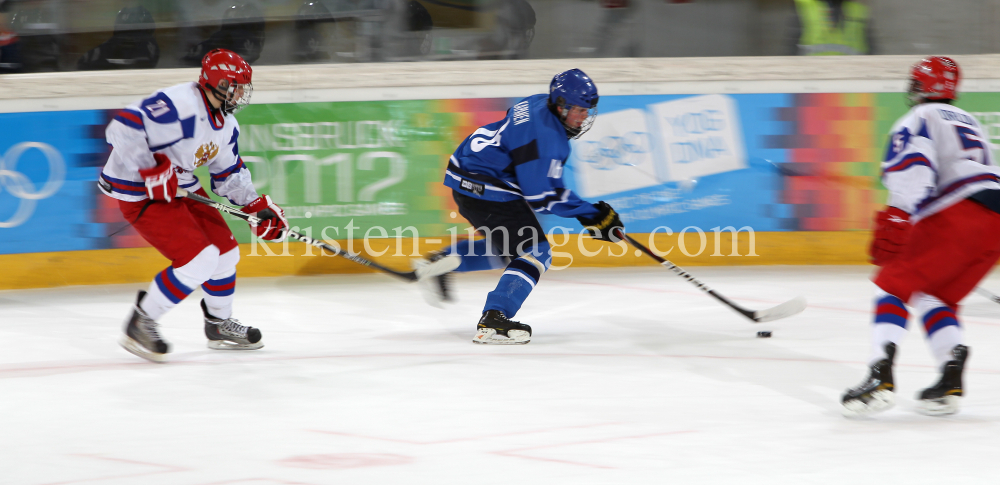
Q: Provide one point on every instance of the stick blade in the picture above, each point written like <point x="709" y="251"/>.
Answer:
<point x="784" y="310"/>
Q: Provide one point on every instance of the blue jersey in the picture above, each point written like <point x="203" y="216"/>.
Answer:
<point x="518" y="157"/>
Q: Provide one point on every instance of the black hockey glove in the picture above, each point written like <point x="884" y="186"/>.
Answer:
<point x="602" y="226"/>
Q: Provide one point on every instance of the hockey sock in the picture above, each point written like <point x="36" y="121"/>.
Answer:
<point x="943" y="330"/>
<point x="889" y="325"/>
<point x="172" y="285"/>
<point x="477" y="255"/>
<point x="220" y="289"/>
<point x="518" y="280"/>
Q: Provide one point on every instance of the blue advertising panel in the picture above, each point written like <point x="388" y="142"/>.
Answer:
<point x="49" y="162"/>
<point x="676" y="161"/>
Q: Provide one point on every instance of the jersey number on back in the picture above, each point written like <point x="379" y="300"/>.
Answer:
<point x="971" y="141"/>
<point x="897" y="143"/>
<point x="478" y="144"/>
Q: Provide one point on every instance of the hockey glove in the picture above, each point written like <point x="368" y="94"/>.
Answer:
<point x="602" y="226"/>
<point x="161" y="181"/>
<point x="892" y="231"/>
<point x="273" y="225"/>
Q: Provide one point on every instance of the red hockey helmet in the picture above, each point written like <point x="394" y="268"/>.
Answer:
<point x="226" y="74"/>
<point x="934" y="78"/>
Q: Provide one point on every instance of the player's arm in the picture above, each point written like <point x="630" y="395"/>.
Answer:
<point x="546" y="194"/>
<point x="230" y="176"/>
<point x="231" y="179"/>
<point x="139" y="134"/>
<point x="908" y="172"/>
<point x="541" y="183"/>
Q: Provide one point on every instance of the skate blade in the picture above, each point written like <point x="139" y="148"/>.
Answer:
<point x="939" y="407"/>
<point x="427" y="278"/>
<point x="488" y="336"/>
<point x="431" y="292"/>
<point x="880" y="401"/>
<point x="135" y="348"/>
<point x="227" y="345"/>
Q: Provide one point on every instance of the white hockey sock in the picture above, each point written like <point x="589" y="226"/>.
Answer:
<point x="941" y="323"/>
<point x="889" y="326"/>
<point x="883" y="333"/>
<point x="220" y="289"/>
<point x="942" y="341"/>
<point x="172" y="285"/>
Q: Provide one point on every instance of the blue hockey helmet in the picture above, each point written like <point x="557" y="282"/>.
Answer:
<point x="573" y="88"/>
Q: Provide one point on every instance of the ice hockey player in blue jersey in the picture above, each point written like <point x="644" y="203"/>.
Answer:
<point x="500" y="175"/>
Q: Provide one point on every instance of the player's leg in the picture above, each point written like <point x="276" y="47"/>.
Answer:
<point x="171" y="229"/>
<point x="946" y="340"/>
<point x="513" y="230"/>
<point x="516" y="283"/>
<point x="876" y="391"/>
<point x="434" y="271"/>
<point x="897" y="282"/>
<point x="972" y="251"/>
<point x="222" y="330"/>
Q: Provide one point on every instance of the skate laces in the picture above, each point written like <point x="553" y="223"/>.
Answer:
<point x="498" y="315"/>
<point x="150" y="327"/>
<point x="232" y="327"/>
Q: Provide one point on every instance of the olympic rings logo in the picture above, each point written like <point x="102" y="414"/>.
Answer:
<point x="614" y="151"/>
<point x="20" y="186"/>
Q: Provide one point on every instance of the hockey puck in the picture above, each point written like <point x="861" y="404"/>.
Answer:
<point x="763" y="334"/>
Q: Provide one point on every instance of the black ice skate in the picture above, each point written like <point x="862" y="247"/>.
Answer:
<point x="228" y="334"/>
<point x="876" y="393"/>
<point x="142" y="336"/>
<point x="943" y="398"/>
<point x="434" y="277"/>
<point x="495" y="328"/>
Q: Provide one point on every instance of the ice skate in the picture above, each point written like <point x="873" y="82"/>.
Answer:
<point x="229" y="334"/>
<point x="943" y="398"/>
<point x="876" y="393"/>
<point x="434" y="277"/>
<point x="495" y="328"/>
<point x="142" y="336"/>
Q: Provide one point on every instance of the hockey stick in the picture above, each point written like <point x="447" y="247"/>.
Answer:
<point x="984" y="293"/>
<point x="786" y="309"/>
<point x="408" y="276"/>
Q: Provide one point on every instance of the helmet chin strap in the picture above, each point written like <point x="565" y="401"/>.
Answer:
<point x="222" y="97"/>
<point x="561" y="114"/>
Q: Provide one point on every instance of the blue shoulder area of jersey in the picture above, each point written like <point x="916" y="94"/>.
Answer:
<point x="161" y="110"/>
<point x="484" y="164"/>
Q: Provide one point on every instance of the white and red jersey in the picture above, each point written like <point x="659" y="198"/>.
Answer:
<point x="178" y="122"/>
<point x="938" y="155"/>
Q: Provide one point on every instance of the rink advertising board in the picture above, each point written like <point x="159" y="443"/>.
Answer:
<point x="774" y="163"/>
<point x="48" y="165"/>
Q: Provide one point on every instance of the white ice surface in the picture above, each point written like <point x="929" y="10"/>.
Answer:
<point x="633" y="376"/>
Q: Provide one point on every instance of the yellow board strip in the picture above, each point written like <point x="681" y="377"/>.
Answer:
<point x="140" y="265"/>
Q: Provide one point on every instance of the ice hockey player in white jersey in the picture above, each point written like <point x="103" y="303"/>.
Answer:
<point x="157" y="143"/>
<point x="937" y="238"/>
